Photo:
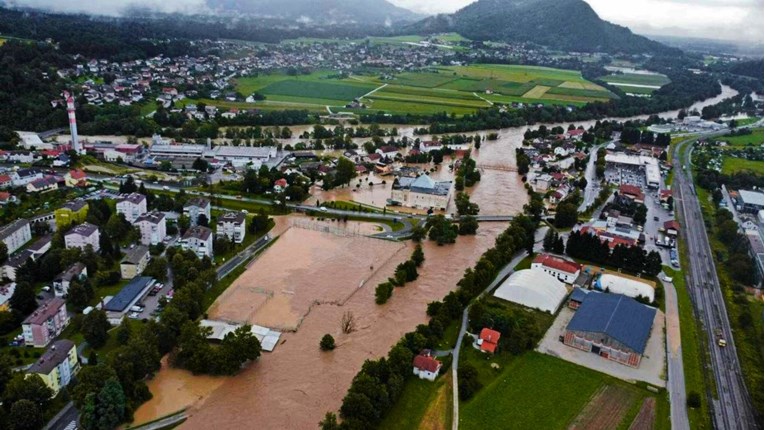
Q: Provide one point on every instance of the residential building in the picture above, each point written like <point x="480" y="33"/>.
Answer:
<point x="6" y="292"/>
<point x="73" y="212"/>
<point x="613" y="326"/>
<point x="45" y="323"/>
<point x="135" y="262"/>
<point x="563" y="270"/>
<point x="488" y="340"/>
<point x="43" y="185"/>
<point x="131" y="206"/>
<point x="231" y="225"/>
<point x="198" y="239"/>
<point x="195" y="207"/>
<point x="421" y="193"/>
<point x="13" y="263"/>
<point x="76" y="178"/>
<point x="22" y="177"/>
<point x="16" y="234"/>
<point x="83" y="235"/>
<point x="425" y="366"/>
<point x="57" y="366"/>
<point x="153" y="227"/>
<point x="75" y="272"/>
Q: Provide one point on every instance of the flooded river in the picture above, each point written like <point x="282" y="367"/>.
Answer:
<point x="311" y="275"/>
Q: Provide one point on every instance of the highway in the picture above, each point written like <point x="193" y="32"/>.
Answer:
<point x="731" y="407"/>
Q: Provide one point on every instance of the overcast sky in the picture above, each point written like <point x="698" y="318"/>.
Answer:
<point x="740" y="20"/>
<point x="715" y="19"/>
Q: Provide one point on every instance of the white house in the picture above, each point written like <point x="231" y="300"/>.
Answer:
<point x="431" y="146"/>
<point x="421" y="193"/>
<point x="563" y="270"/>
<point x="75" y="272"/>
<point x="83" y="235"/>
<point x="22" y="177"/>
<point x="231" y="225"/>
<point x="131" y="206"/>
<point x="198" y="239"/>
<point x="195" y="207"/>
<point x="153" y="227"/>
<point x="16" y="234"/>
<point x="426" y="367"/>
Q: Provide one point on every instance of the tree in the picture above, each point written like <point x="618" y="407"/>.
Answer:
<point x="23" y="300"/>
<point x="203" y="221"/>
<point x="123" y="332"/>
<point x="468" y="225"/>
<point x="30" y="388"/>
<point x="640" y="214"/>
<point x="441" y="230"/>
<point x="548" y="243"/>
<point x="464" y="205"/>
<point x="106" y="410"/>
<point x="327" y="342"/>
<point x="694" y="400"/>
<point x="3" y="252"/>
<point x="25" y="415"/>
<point x="348" y="322"/>
<point x="566" y="215"/>
<point x="329" y="422"/>
<point x="383" y="292"/>
<point x="95" y="328"/>
<point x="90" y="379"/>
<point x="468" y="381"/>
<point x="79" y="294"/>
<point x="418" y="256"/>
<point x="345" y="171"/>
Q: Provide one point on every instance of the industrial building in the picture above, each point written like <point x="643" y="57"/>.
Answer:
<point x="534" y="289"/>
<point x="613" y="326"/>
<point x="750" y="201"/>
<point x="562" y="270"/>
<point x="219" y="329"/>
<point x="420" y="193"/>
<point x="650" y="166"/>
<point x="129" y="295"/>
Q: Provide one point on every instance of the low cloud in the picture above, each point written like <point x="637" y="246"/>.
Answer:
<point x="112" y="7"/>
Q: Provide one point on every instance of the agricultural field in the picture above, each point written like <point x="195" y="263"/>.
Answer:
<point x="733" y="164"/>
<point x="422" y="405"/>
<point x="456" y="90"/>
<point x="636" y="83"/>
<point x="540" y="391"/>
<point x="756" y="138"/>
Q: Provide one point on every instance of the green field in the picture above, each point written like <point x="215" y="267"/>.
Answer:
<point x="455" y="89"/>
<point x="544" y="392"/>
<point x="423" y="404"/>
<point x="637" y="79"/>
<point x="756" y="138"/>
<point x="732" y="165"/>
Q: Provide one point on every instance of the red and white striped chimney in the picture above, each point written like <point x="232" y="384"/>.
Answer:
<point x="72" y="122"/>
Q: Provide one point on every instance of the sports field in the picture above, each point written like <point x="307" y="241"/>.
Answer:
<point x="458" y="89"/>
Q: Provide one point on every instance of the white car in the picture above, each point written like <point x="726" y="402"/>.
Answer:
<point x="134" y="316"/>
<point x="323" y="209"/>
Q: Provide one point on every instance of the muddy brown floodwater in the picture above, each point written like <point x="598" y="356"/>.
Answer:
<point x="292" y="387"/>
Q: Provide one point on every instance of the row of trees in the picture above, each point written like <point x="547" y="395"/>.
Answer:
<point x="467" y="174"/>
<point x="405" y="272"/>
<point x="633" y="259"/>
<point x="379" y="383"/>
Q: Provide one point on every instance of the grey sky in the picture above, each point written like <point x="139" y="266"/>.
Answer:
<point x="740" y="20"/>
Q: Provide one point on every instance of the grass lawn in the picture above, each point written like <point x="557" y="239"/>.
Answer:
<point x="747" y="121"/>
<point x="636" y="79"/>
<point x="525" y="263"/>
<point x="421" y="405"/>
<point x="693" y="354"/>
<point x="733" y="164"/>
<point x="756" y="138"/>
<point x="543" y="392"/>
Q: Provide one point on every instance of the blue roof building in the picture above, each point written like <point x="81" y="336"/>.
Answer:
<point x="129" y="294"/>
<point x="611" y="325"/>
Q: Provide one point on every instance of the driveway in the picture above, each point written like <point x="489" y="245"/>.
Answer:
<point x="651" y="366"/>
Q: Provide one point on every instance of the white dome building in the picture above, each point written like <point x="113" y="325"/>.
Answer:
<point x="534" y="289"/>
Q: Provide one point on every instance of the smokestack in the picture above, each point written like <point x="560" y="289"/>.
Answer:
<point x="72" y="122"/>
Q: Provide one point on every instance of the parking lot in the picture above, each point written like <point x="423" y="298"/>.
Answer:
<point x="651" y="368"/>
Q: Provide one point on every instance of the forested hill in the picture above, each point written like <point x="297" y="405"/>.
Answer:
<point x="320" y="11"/>
<point x="569" y="25"/>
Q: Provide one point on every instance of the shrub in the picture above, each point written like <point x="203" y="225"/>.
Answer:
<point x="327" y="343"/>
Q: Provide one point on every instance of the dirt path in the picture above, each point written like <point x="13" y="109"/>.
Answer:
<point x="437" y="414"/>
<point x="605" y="410"/>
<point x="646" y="417"/>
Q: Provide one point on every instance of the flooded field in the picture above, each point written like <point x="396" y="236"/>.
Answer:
<point x="302" y="269"/>
<point x="297" y="376"/>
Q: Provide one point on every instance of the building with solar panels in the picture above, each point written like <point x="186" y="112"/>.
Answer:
<point x="613" y="326"/>
<point x="129" y="295"/>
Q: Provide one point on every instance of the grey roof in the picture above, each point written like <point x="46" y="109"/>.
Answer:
<point x="754" y="198"/>
<point x="19" y="259"/>
<point x="153" y="217"/>
<point x="75" y="205"/>
<point x="51" y="358"/>
<point x="128" y="293"/>
<point x="198" y="232"/>
<point x="45" y="311"/>
<point x="617" y="316"/>
<point x="135" y="255"/>
<point x="40" y="243"/>
<point x="423" y="184"/>
<point x="84" y="229"/>
<point x="198" y="202"/>
<point x="235" y="217"/>
<point x="134" y="198"/>
<point x="13" y="227"/>
<point x="73" y="270"/>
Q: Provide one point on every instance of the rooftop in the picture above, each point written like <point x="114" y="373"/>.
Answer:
<point x="153" y="217"/>
<point x="557" y="263"/>
<point x="84" y="229"/>
<point x="75" y="205"/>
<point x="134" y="198"/>
<point x="45" y="311"/>
<point x="616" y="315"/>
<point x="752" y="197"/>
<point x="55" y="355"/>
<point x="135" y="255"/>
<point x="13" y="227"/>
<point x="128" y="294"/>
<point x="198" y="202"/>
<point x="427" y="363"/>
<point x="235" y="217"/>
<point x="198" y="232"/>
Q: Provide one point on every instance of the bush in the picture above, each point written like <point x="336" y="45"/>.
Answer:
<point x="694" y="400"/>
<point x="327" y="343"/>
<point x="383" y="292"/>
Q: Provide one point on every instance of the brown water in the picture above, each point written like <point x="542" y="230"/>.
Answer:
<point x="296" y="384"/>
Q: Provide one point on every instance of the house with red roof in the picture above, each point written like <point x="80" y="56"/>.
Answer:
<point x="425" y="366"/>
<point x="632" y="192"/>
<point x="6" y="197"/>
<point x="5" y="181"/>
<point x="487" y="341"/>
<point x="664" y="195"/>
<point x="563" y="270"/>
<point x="672" y="228"/>
<point x="76" y="178"/>
<point x="575" y="134"/>
<point x="280" y="185"/>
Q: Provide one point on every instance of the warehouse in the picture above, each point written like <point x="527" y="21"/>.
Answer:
<point x="613" y="326"/>
<point x="129" y="295"/>
<point x="621" y="285"/>
<point x="534" y="289"/>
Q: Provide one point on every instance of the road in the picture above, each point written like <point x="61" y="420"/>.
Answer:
<point x="732" y="408"/>
<point x="242" y="256"/>
<point x="676" y="374"/>
<point x="593" y="184"/>
<point x="65" y="419"/>
<point x="503" y="273"/>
